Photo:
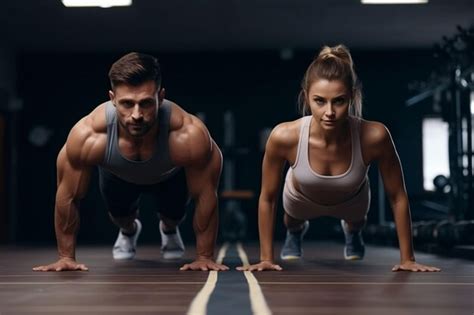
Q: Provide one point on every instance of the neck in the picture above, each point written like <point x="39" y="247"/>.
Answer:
<point x="336" y="135"/>
<point x="147" y="139"/>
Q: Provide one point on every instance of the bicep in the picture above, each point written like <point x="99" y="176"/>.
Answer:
<point x="73" y="178"/>
<point x="203" y="176"/>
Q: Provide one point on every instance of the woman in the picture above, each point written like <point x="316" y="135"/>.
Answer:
<point x="329" y="152"/>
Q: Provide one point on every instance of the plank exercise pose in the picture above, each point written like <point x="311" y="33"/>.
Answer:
<point x="141" y="143"/>
<point x="329" y="152"/>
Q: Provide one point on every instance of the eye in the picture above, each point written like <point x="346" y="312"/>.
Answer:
<point x="147" y="103"/>
<point x="319" y="101"/>
<point x="126" y="104"/>
<point x="340" y="101"/>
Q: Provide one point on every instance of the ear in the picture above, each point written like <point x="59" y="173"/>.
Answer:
<point x="161" y="95"/>
<point x="112" y="96"/>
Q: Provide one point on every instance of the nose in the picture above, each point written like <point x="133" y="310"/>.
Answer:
<point x="137" y="113"/>
<point x="330" y="110"/>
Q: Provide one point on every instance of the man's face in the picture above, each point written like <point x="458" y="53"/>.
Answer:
<point x="136" y="107"/>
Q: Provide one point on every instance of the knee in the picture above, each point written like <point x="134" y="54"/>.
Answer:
<point x="292" y="223"/>
<point x="356" y="225"/>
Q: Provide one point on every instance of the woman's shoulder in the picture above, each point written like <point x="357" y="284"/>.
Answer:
<point x="287" y="131"/>
<point x="374" y="135"/>
<point x="285" y="135"/>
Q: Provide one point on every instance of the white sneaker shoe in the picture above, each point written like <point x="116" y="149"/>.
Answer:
<point x="125" y="246"/>
<point x="172" y="246"/>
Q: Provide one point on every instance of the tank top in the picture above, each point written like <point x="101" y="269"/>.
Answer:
<point x="154" y="170"/>
<point x="338" y="188"/>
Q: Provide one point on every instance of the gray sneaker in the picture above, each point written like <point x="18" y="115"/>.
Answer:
<point x="354" y="248"/>
<point x="172" y="246"/>
<point x="125" y="246"/>
<point x="292" y="248"/>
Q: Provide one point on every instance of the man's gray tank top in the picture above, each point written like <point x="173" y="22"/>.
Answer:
<point x="154" y="170"/>
<point x="338" y="188"/>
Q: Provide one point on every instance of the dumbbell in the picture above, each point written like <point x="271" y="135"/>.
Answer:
<point x="445" y="234"/>
<point x="423" y="231"/>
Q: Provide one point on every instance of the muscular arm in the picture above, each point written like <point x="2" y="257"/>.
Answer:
<point x="202" y="183"/>
<point x="73" y="173"/>
<point x="73" y="182"/>
<point x="194" y="149"/>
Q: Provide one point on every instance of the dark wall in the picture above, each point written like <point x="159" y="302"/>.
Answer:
<point x="259" y="87"/>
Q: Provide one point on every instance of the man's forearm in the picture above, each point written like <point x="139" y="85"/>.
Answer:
<point x="205" y="227"/>
<point x="66" y="226"/>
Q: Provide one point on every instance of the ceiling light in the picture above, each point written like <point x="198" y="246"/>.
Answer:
<point x="393" y="1"/>
<point x="97" y="3"/>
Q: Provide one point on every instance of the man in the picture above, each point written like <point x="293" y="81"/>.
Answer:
<point x="141" y="143"/>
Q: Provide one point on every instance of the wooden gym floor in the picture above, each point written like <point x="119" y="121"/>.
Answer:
<point x="321" y="283"/>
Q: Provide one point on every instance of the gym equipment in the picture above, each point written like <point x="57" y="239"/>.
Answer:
<point x="451" y="85"/>
<point x="233" y="221"/>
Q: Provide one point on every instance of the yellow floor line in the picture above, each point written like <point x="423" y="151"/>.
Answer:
<point x="199" y="304"/>
<point x="257" y="300"/>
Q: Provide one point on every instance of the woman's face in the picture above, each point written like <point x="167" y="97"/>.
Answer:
<point x="329" y="102"/>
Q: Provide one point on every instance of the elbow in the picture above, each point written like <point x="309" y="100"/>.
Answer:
<point x="267" y="202"/>
<point x="399" y="201"/>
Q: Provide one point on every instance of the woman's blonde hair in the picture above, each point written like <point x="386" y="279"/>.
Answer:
<point x="332" y="63"/>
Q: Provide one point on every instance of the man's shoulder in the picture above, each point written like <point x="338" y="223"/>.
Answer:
<point x="87" y="139"/>
<point x="190" y="140"/>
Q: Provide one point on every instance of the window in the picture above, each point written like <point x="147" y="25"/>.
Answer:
<point x="435" y="150"/>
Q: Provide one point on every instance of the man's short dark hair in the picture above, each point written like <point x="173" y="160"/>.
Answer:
<point x="134" y="69"/>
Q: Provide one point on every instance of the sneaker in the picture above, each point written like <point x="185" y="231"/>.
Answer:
<point x="172" y="246"/>
<point x="125" y="246"/>
<point x="292" y="247"/>
<point x="354" y="248"/>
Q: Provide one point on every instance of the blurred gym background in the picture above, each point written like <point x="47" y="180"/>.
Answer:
<point x="237" y="65"/>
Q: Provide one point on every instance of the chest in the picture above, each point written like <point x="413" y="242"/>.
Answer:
<point x="329" y="160"/>
<point x="136" y="151"/>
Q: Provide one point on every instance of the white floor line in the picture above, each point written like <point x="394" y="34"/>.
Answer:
<point x="98" y="283"/>
<point x="199" y="304"/>
<point x="368" y="283"/>
<point x="257" y="300"/>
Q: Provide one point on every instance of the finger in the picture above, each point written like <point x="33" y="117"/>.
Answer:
<point x="431" y="269"/>
<point x="59" y="269"/>
<point x="184" y="267"/>
<point x="38" y="268"/>
<point x="82" y="267"/>
<point x="241" y="268"/>
<point x="225" y="267"/>
<point x="396" y="268"/>
<point x="203" y="268"/>
<point x="46" y="268"/>
<point x="277" y="267"/>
